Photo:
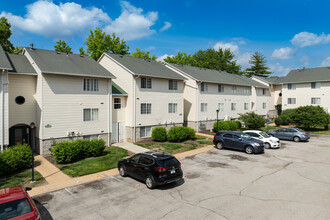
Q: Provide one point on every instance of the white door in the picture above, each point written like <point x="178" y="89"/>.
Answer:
<point x="118" y="132"/>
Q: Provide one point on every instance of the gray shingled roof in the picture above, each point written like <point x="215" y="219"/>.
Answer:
<point x="4" y="62"/>
<point x="143" y="67"/>
<point x="308" y="75"/>
<point x="20" y="64"/>
<point x="274" y="80"/>
<point x="71" y="64"/>
<point x="215" y="76"/>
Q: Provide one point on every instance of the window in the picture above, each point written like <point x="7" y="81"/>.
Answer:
<point x="247" y="90"/>
<point x="204" y="87"/>
<point x="203" y="107"/>
<point x="233" y="106"/>
<point x="117" y="103"/>
<point x="291" y="100"/>
<point x="233" y="89"/>
<point x="316" y="101"/>
<point x="263" y="91"/>
<point x="316" y="85"/>
<point x="135" y="159"/>
<point x="91" y="137"/>
<point x="145" y="131"/>
<point x="246" y="106"/>
<point x="15" y="208"/>
<point x="172" y="107"/>
<point x="221" y="107"/>
<point x="91" y="85"/>
<point x="146" y="83"/>
<point x="145" y="160"/>
<point x="291" y="86"/>
<point x="91" y="114"/>
<point x="264" y="105"/>
<point x="173" y="85"/>
<point x="228" y="135"/>
<point x="221" y="88"/>
<point x="145" y="108"/>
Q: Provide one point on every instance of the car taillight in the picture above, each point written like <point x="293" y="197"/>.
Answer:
<point x="304" y="134"/>
<point x="179" y="164"/>
<point x="159" y="169"/>
<point x="214" y="137"/>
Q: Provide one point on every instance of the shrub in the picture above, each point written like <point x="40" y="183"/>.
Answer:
<point x="226" y="126"/>
<point x="252" y="120"/>
<point x="282" y="120"/>
<point x="310" y="116"/>
<point x="15" y="158"/>
<point x="180" y="133"/>
<point x="67" y="152"/>
<point x="159" y="134"/>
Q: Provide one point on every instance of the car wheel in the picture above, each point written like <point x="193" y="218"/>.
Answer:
<point x="150" y="182"/>
<point x="267" y="145"/>
<point x="249" y="149"/>
<point x="219" y="145"/>
<point x="296" y="139"/>
<point x="122" y="171"/>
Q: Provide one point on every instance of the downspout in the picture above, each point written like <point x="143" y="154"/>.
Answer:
<point x="2" y="112"/>
<point x="109" y="112"/>
<point x="197" y="109"/>
<point x="134" y="105"/>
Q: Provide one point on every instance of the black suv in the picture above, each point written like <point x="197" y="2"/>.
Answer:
<point x="152" y="167"/>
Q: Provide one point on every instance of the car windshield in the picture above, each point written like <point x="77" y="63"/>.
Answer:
<point x="246" y="136"/>
<point x="264" y="134"/>
<point x="14" y="208"/>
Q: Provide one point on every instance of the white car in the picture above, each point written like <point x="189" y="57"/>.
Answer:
<point x="269" y="141"/>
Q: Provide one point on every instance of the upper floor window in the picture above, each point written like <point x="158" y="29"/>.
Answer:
<point x="221" y="88"/>
<point x="263" y="91"/>
<point x="117" y="103"/>
<point x="291" y="86"/>
<point x="172" y="107"/>
<point x="221" y="107"/>
<point x="173" y="85"/>
<point x="233" y="89"/>
<point x="91" y="114"/>
<point x="146" y="83"/>
<point x="91" y="85"/>
<point x="145" y="108"/>
<point x="291" y="100"/>
<point x="204" y="87"/>
<point x="203" y="107"/>
<point x="316" y="85"/>
<point x="316" y="101"/>
<point x="247" y="90"/>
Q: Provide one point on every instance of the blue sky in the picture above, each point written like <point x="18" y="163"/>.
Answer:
<point x="291" y="34"/>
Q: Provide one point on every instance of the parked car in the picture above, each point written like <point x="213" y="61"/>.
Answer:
<point x="269" y="141"/>
<point x="238" y="141"/>
<point x="295" y="134"/>
<point x="15" y="203"/>
<point x="152" y="167"/>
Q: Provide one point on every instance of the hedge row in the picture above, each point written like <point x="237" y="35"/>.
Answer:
<point x="227" y="126"/>
<point x="67" y="152"/>
<point x="252" y="120"/>
<point x="15" y="158"/>
<point x="175" y="134"/>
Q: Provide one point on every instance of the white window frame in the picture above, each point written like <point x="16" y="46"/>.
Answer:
<point x="246" y="106"/>
<point x="146" y="83"/>
<point x="116" y="104"/>
<point x="204" y="87"/>
<point x="292" y="86"/>
<point x="90" y="85"/>
<point x="203" y="107"/>
<point x="173" y="85"/>
<point x="264" y="105"/>
<point x="145" y="108"/>
<point x="145" y="131"/>
<point x="221" y="107"/>
<point x="233" y="106"/>
<point x="221" y="88"/>
<point x="247" y="90"/>
<point x="172" y="108"/>
<point x="316" y="85"/>
<point x="93" y="114"/>
<point x="91" y="137"/>
<point x="233" y="89"/>
<point x="291" y="101"/>
<point x="316" y="101"/>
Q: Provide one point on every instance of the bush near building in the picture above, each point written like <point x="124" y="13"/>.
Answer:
<point x="180" y="133"/>
<point x="252" y="120"/>
<point x="310" y="116"/>
<point x="159" y="134"/>
<point x="70" y="151"/>
<point x="227" y="126"/>
<point x="15" y="158"/>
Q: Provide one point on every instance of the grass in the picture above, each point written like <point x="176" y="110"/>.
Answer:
<point x="22" y="178"/>
<point x="96" y="164"/>
<point x="317" y="130"/>
<point x="200" y="137"/>
<point x="205" y="142"/>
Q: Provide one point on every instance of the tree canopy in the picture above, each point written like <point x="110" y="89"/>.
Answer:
<point x="61" y="46"/>
<point x="17" y="50"/>
<point x="5" y="34"/>
<point x="258" y="66"/>
<point x="99" y="42"/>
<point x="142" y="54"/>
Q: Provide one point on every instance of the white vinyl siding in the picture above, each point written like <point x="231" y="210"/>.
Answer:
<point x="117" y="103"/>
<point x="145" y="131"/>
<point x="315" y="85"/>
<point x="203" y="107"/>
<point x="172" y="107"/>
<point x="233" y="106"/>
<point x="316" y="101"/>
<point x="204" y="87"/>
<point x="91" y="114"/>
<point x="221" y="88"/>
<point x="221" y="107"/>
<point x="146" y="83"/>
<point x="146" y="108"/>
<point x="291" y="86"/>
<point x="291" y="100"/>
<point x="173" y="85"/>
<point x="91" y="85"/>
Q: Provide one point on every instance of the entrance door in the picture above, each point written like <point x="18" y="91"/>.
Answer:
<point x="279" y="109"/>
<point x="118" y="132"/>
<point x="20" y="135"/>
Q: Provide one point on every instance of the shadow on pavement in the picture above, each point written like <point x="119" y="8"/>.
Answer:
<point x="44" y="214"/>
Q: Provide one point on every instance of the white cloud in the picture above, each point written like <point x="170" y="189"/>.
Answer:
<point x="232" y="46"/>
<point x="132" y="24"/>
<point x="326" y="62"/>
<point x="167" y="25"/>
<point x="161" y="58"/>
<point x="243" y="59"/>
<point x="304" y="39"/>
<point x="278" y="70"/>
<point x="151" y="48"/>
<point x="57" y="21"/>
<point x="284" y="53"/>
<point x="304" y="60"/>
<point x="239" y="40"/>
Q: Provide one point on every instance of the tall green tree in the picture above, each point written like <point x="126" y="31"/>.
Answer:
<point x="61" y="46"/>
<point x="99" y="42"/>
<point x="81" y="51"/>
<point x="17" y="50"/>
<point x="5" y="34"/>
<point x="258" y="66"/>
<point x="181" y="58"/>
<point x="143" y="54"/>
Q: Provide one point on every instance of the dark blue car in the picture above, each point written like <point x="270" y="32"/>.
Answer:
<point x="238" y="141"/>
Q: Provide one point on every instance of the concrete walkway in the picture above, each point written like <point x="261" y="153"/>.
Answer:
<point x="131" y="147"/>
<point x="205" y="135"/>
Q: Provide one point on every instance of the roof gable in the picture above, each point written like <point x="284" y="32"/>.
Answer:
<point x="4" y="62"/>
<point x="20" y="64"/>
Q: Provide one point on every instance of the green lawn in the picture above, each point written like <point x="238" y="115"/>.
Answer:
<point x="96" y="164"/>
<point x="22" y="178"/>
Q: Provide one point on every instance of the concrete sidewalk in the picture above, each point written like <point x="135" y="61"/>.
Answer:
<point x="131" y="147"/>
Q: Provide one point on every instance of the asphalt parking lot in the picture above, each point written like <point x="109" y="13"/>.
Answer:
<point x="292" y="182"/>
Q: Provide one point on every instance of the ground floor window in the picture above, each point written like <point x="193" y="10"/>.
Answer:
<point x="91" y="114"/>
<point x="233" y="106"/>
<point x="291" y="100"/>
<point x="246" y="106"/>
<point x="145" y="108"/>
<point x="203" y="107"/>
<point x="264" y="105"/>
<point x="221" y="107"/>
<point x="91" y="137"/>
<point x="316" y="101"/>
<point x="145" y="131"/>
<point x="172" y="107"/>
